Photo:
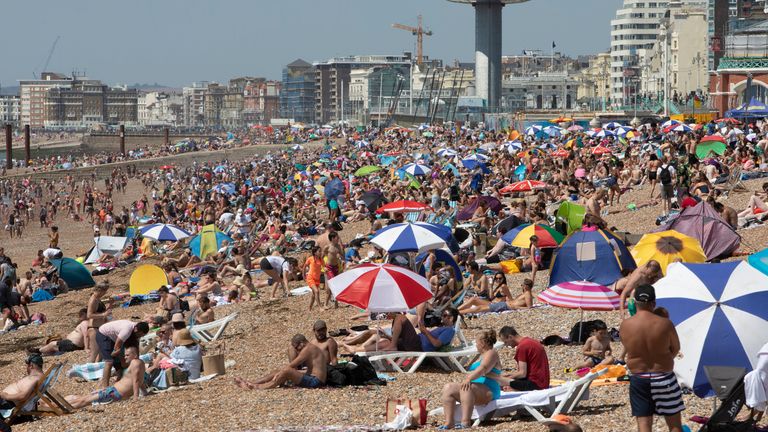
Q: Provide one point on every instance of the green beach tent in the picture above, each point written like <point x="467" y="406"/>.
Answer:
<point x="570" y="216"/>
<point x="73" y="273"/>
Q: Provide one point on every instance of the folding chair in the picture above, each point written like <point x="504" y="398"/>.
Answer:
<point x="43" y="392"/>
<point x="211" y="331"/>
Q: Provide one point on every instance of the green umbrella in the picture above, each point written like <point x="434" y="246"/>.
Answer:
<point x="368" y="169"/>
<point x="705" y="148"/>
<point x="324" y="160"/>
<point x="428" y="134"/>
<point x="300" y="167"/>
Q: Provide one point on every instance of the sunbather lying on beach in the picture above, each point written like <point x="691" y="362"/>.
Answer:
<point x="75" y="340"/>
<point x="480" y="305"/>
<point x="309" y="355"/>
<point x="129" y="385"/>
<point x="403" y="337"/>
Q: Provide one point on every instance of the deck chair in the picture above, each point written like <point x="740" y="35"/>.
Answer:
<point x="413" y="217"/>
<point x="733" y="183"/>
<point x="554" y="401"/>
<point x="213" y="330"/>
<point x="43" y="392"/>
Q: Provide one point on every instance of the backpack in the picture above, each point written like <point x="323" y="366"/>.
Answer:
<point x="358" y="371"/>
<point x="666" y="175"/>
<point x="586" y="330"/>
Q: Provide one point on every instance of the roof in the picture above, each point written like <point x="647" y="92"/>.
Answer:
<point x="299" y="63"/>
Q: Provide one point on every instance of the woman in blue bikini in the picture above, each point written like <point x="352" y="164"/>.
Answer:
<point x="478" y="388"/>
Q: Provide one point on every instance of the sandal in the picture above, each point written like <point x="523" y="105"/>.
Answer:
<point x="444" y="427"/>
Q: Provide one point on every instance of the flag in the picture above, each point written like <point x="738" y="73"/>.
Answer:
<point x="553" y="45"/>
<point x="696" y="102"/>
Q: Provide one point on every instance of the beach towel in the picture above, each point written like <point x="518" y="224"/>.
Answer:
<point x="94" y="371"/>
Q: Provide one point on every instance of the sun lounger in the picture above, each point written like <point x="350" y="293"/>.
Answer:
<point x="43" y="392"/>
<point x="457" y="359"/>
<point x="213" y="330"/>
<point x="554" y="401"/>
<point x="94" y="371"/>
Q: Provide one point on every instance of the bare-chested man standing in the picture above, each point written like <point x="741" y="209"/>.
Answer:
<point x="309" y="355"/>
<point x="651" y="344"/>
<point x="332" y="258"/>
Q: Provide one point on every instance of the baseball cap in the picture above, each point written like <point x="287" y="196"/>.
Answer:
<point x="645" y="293"/>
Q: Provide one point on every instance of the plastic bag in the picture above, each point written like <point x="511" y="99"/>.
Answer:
<point x="402" y="419"/>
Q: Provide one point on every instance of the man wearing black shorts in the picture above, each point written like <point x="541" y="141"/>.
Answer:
<point x="651" y="344"/>
<point x="532" y="362"/>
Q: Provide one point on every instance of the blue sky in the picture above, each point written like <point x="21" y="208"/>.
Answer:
<point x="175" y="42"/>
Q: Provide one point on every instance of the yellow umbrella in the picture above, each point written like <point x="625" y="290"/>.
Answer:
<point x="320" y="189"/>
<point x="667" y="247"/>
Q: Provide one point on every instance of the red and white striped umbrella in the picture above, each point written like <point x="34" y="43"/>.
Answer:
<point x="380" y="288"/>
<point x="523" y="186"/>
<point x="560" y="153"/>
<point x="581" y="295"/>
<point x="402" y="206"/>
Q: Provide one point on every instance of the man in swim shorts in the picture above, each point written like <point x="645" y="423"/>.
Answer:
<point x="309" y="355"/>
<point x="129" y="385"/>
<point x="651" y="344"/>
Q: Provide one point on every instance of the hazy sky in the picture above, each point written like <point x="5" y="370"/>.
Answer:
<point x="175" y="42"/>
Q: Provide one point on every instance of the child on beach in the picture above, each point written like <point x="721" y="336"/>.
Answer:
<point x="313" y="271"/>
<point x="597" y="349"/>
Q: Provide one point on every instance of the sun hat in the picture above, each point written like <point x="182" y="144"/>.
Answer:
<point x="177" y="317"/>
<point x="183" y="337"/>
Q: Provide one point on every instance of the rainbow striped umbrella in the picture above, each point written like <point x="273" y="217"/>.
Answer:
<point x="581" y="295"/>
<point x="521" y="236"/>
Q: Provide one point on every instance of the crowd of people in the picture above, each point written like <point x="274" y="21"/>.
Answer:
<point x="283" y="212"/>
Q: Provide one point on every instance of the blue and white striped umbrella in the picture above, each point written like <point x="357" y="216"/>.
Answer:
<point x="604" y="133"/>
<point x="720" y="313"/>
<point x="297" y="147"/>
<point x="362" y="143"/>
<point x="623" y="130"/>
<point x="417" y="169"/>
<point x="532" y="130"/>
<point x="446" y="152"/>
<point x="220" y="169"/>
<point x="513" y="146"/>
<point x="682" y="127"/>
<point x="548" y="146"/>
<point x="163" y="232"/>
<point x="412" y="237"/>
<point x="669" y="123"/>
<point x="224" y="188"/>
<point x="553" y="131"/>
<point x="612" y="125"/>
<point x="478" y="157"/>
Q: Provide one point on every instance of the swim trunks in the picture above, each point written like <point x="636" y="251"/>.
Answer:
<point x="310" y="381"/>
<point x="498" y="307"/>
<point x="108" y="395"/>
<point x="655" y="393"/>
<point x="331" y="271"/>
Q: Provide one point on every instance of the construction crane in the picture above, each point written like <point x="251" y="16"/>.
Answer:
<point x="419" y="32"/>
<point x="48" y="59"/>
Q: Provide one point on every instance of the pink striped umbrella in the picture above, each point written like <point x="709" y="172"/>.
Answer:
<point x="582" y="295"/>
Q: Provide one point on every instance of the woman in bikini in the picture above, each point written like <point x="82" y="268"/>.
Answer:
<point x="479" y="387"/>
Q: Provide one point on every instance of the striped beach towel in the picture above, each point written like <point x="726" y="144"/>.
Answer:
<point x="94" y="371"/>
